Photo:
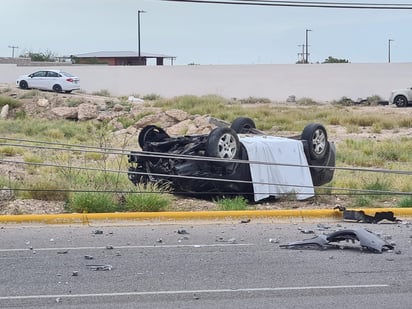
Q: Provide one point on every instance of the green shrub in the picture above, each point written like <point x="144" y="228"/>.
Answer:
<point x="46" y="190"/>
<point x="91" y="202"/>
<point x="306" y="101"/>
<point x="12" y="103"/>
<point x="146" y="202"/>
<point x="103" y="93"/>
<point x="151" y="97"/>
<point x="10" y="151"/>
<point x="236" y="203"/>
<point x="29" y="94"/>
<point x="374" y="99"/>
<point x="362" y="201"/>
<point x="344" y="101"/>
<point x="406" y="202"/>
<point x="253" y="100"/>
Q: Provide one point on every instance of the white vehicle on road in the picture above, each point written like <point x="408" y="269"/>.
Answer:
<point x="401" y="97"/>
<point x="55" y="80"/>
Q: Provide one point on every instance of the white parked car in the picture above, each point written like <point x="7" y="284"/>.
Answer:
<point x="401" y="97"/>
<point x="55" y="80"/>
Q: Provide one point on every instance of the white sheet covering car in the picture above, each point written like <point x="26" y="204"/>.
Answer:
<point x="282" y="168"/>
<point x="55" y="80"/>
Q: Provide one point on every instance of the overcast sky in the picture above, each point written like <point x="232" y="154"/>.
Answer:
<point x="206" y="33"/>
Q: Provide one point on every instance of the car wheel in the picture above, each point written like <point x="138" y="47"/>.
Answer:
<point x="400" y="101"/>
<point x="315" y="135"/>
<point x="151" y="133"/>
<point x="23" y="85"/>
<point x="57" y="88"/>
<point x="243" y="125"/>
<point x="223" y="143"/>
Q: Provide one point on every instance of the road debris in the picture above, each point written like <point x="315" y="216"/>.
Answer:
<point x="88" y="257"/>
<point x="230" y="240"/>
<point x="360" y="216"/>
<point x="322" y="227"/>
<point x="182" y="232"/>
<point x="367" y="240"/>
<point x="245" y="221"/>
<point x="305" y="231"/>
<point x="97" y="232"/>
<point x="103" y="267"/>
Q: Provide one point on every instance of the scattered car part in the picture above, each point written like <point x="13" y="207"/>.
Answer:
<point x="218" y="163"/>
<point x="360" y="216"/>
<point x="367" y="240"/>
<point x="100" y="267"/>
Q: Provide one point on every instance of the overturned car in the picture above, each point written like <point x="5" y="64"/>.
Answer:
<point x="235" y="160"/>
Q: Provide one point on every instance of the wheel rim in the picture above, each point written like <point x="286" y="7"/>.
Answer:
<point x="227" y="146"/>
<point x="319" y="141"/>
<point x="400" y="101"/>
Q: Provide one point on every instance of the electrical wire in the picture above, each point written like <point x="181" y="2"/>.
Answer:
<point x="305" y="4"/>
<point x="123" y="151"/>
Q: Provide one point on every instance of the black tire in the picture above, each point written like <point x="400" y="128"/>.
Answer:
<point x="243" y="125"/>
<point x="57" y="88"/>
<point x="316" y="137"/>
<point x="400" y="101"/>
<point x="151" y="133"/>
<point x="223" y="143"/>
<point x="23" y="85"/>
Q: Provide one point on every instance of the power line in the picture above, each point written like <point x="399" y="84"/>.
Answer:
<point x="306" y="4"/>
<point x="119" y="151"/>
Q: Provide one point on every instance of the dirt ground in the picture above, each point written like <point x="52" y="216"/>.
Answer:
<point x="335" y="133"/>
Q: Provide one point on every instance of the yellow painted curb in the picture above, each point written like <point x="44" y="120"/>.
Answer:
<point x="86" y="218"/>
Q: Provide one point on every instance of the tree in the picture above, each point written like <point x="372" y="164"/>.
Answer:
<point x="47" y="55"/>
<point x="331" y="59"/>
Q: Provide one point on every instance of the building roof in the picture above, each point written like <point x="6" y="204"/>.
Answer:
<point x="121" y="54"/>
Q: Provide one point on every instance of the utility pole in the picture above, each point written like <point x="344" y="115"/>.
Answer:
<point x="13" y="48"/>
<point x="138" y="31"/>
<point x="307" y="44"/>
<point x="389" y="50"/>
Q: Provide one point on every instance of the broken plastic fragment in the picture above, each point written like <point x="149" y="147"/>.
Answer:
<point x="367" y="240"/>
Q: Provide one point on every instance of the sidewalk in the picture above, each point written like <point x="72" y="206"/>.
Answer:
<point x="295" y="215"/>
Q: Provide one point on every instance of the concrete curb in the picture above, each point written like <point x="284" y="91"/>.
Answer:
<point x="301" y="214"/>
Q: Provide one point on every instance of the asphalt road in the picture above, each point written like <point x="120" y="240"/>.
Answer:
<point x="212" y="265"/>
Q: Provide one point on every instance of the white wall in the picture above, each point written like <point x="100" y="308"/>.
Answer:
<point x="322" y="82"/>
